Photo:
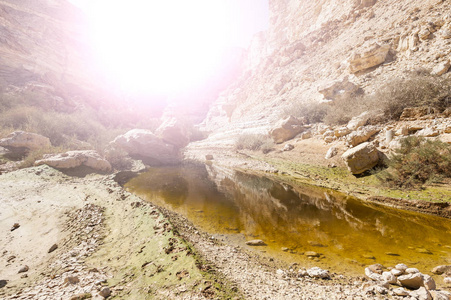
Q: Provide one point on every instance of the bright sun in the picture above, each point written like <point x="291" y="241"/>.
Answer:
<point x="159" y="46"/>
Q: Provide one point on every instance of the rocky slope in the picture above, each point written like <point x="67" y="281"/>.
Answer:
<point x="310" y="45"/>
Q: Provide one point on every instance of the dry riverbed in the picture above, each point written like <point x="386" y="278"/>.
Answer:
<point x="67" y="237"/>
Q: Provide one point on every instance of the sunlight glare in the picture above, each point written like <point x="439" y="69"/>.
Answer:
<point x="159" y="46"/>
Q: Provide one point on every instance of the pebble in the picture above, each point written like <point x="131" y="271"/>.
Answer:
<point x="53" y="248"/>
<point x="105" y="292"/>
<point x="15" y="226"/>
<point x="24" y="269"/>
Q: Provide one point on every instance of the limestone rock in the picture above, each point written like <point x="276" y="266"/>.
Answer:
<point x="389" y="277"/>
<point x="173" y="131"/>
<point x="105" y="292"/>
<point x="401" y="267"/>
<point x="411" y="281"/>
<point x="371" y="57"/>
<point x="358" y="121"/>
<point x="311" y="254"/>
<point x="373" y="275"/>
<point x="362" y="135"/>
<point x="288" y="147"/>
<point x="286" y="129"/>
<point x="22" y="139"/>
<point x="24" y="269"/>
<point x="421" y="294"/>
<point x="316" y="272"/>
<point x="144" y="144"/>
<point x="255" y="243"/>
<point x="401" y="292"/>
<point x="447" y="280"/>
<point x="361" y="158"/>
<point x="439" y="270"/>
<point x="412" y="270"/>
<point x="440" y="295"/>
<point x="429" y="282"/>
<point x="397" y="272"/>
<point x="339" y="89"/>
<point x="415" y="113"/>
<point x="73" y="159"/>
<point x="331" y="152"/>
<point x="428" y="132"/>
<point x="341" y="131"/>
<point x="441" y="69"/>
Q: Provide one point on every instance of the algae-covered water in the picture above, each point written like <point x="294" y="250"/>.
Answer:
<point x="293" y="220"/>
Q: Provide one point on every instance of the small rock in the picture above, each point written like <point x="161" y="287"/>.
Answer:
<point x="401" y="267"/>
<point x="255" y="243"/>
<point x="53" y="248"/>
<point x="412" y="270"/>
<point x="429" y="282"/>
<point x="447" y="280"/>
<point x="288" y="147"/>
<point x="389" y="277"/>
<point x="331" y="152"/>
<point x="316" y="272"/>
<point x="392" y="254"/>
<point x="81" y="296"/>
<point x="411" y="281"/>
<point x="15" y="226"/>
<point x="24" y="269"/>
<point x="11" y="258"/>
<point x="285" y="249"/>
<point x="439" y="270"/>
<point x="312" y="254"/>
<point x="421" y="294"/>
<point x="24" y="276"/>
<point x="105" y="292"/>
<point x="376" y="268"/>
<point x="72" y="280"/>
<point x="209" y="157"/>
<point x="397" y="272"/>
<point x="3" y="283"/>
<point x="401" y="292"/>
<point x="440" y="295"/>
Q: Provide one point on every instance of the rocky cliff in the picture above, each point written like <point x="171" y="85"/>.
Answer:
<point x="45" y="41"/>
<point x="312" y="45"/>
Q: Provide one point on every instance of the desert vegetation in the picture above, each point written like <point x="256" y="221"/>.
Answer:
<point x="386" y="104"/>
<point x="254" y="142"/>
<point x="416" y="162"/>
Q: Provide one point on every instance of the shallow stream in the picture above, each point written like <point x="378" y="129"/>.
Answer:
<point x="294" y="220"/>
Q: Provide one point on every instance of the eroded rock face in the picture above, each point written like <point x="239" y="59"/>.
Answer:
<point x="74" y="159"/>
<point x="361" y="158"/>
<point x="286" y="129"/>
<point x="373" y="56"/>
<point x="174" y="132"/>
<point x="339" y="89"/>
<point x="28" y="140"/>
<point x="144" y="144"/>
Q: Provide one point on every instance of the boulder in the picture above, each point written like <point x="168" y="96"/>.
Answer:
<point x="175" y="132"/>
<point x="316" y="272"/>
<point x="358" y="121"/>
<point x="22" y="139"/>
<point x="362" y="135"/>
<point x="428" y="132"/>
<point x="286" y="129"/>
<point x="441" y="69"/>
<point x="342" y="131"/>
<point x="74" y="159"/>
<point x="361" y="158"/>
<point x="339" y="89"/>
<point x="389" y="277"/>
<point x="373" y="56"/>
<point x="412" y="281"/>
<point x="143" y="144"/>
<point x="439" y="270"/>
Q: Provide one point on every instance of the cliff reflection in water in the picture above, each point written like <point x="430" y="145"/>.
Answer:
<point x="300" y="218"/>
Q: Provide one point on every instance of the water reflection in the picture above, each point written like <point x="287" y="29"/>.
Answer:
<point x="347" y="232"/>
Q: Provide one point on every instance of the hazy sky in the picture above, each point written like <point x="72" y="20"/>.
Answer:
<point x="246" y="17"/>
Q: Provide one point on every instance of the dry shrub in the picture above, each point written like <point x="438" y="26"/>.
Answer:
<point x="416" y="162"/>
<point x="312" y="112"/>
<point x="254" y="142"/>
<point x="389" y="101"/>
